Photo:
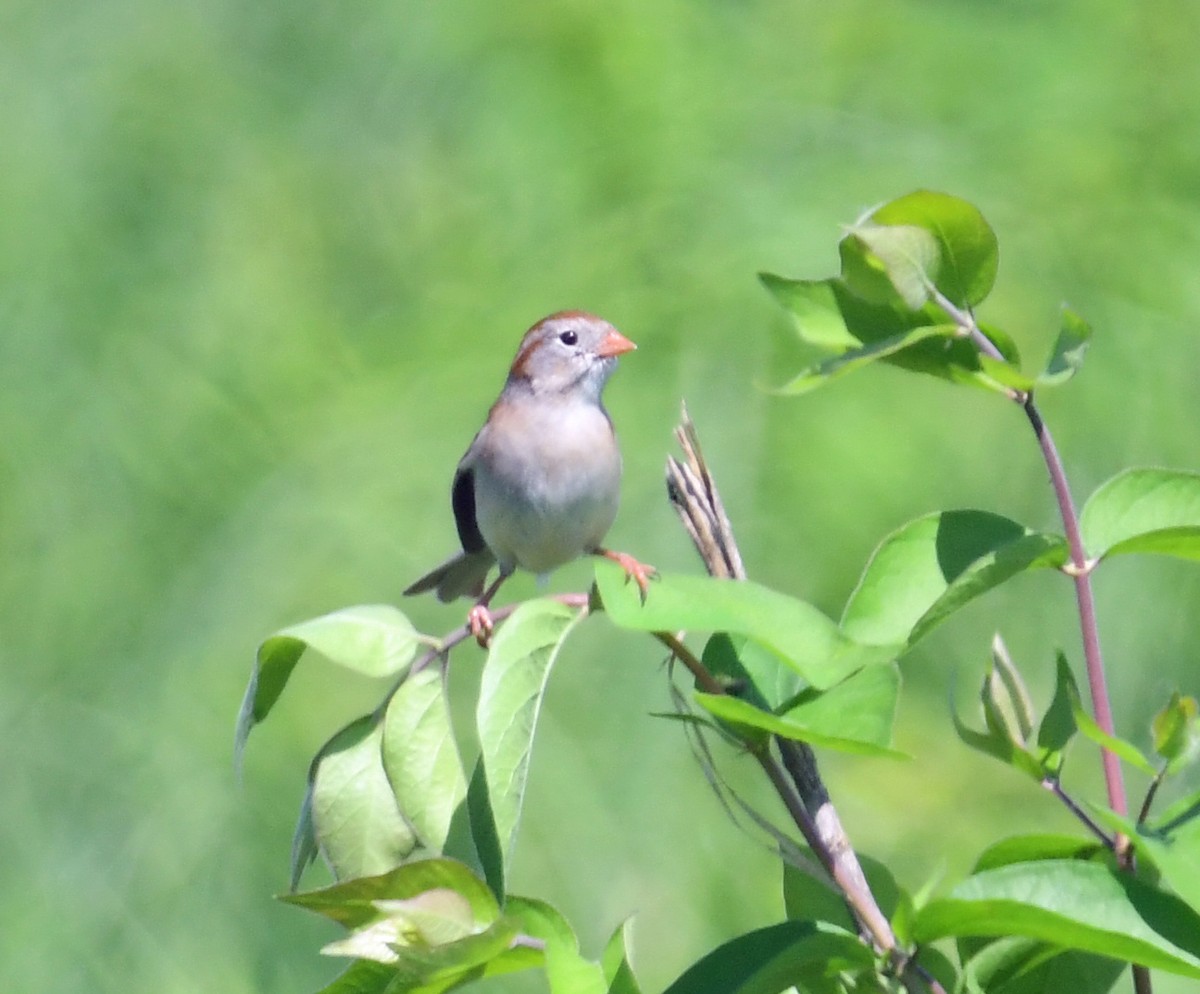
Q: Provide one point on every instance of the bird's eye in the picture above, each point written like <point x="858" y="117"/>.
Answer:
<point x="568" y="338"/>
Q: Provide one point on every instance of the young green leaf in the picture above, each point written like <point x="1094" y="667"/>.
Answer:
<point x="1176" y="729"/>
<point x="357" y="824"/>
<point x="510" y="698"/>
<point x="968" y="253"/>
<point x="421" y="758"/>
<point x="1058" y="723"/>
<point x="932" y="566"/>
<point x="1091" y="730"/>
<point x="1074" y="905"/>
<point x="883" y="261"/>
<point x="352" y="903"/>
<point x="567" y="972"/>
<point x="1006" y="704"/>
<point x="772" y="959"/>
<point x="1144" y="510"/>
<point x="375" y="640"/>
<point x="853" y="359"/>
<point x="1067" y="358"/>
<point x="304" y="838"/>
<point x="799" y="634"/>
<point x="818" y="311"/>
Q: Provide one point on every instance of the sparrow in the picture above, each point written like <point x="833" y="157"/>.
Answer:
<point x="540" y="482"/>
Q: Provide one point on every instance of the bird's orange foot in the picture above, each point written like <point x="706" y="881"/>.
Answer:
<point x="640" y="573"/>
<point x="479" y="620"/>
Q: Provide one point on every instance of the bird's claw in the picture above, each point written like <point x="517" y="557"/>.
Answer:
<point x="639" y="572"/>
<point x="479" y="620"/>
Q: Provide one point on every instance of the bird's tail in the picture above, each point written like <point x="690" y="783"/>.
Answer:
<point x="463" y="575"/>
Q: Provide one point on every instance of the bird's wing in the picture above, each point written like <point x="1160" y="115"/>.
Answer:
<point x="462" y="499"/>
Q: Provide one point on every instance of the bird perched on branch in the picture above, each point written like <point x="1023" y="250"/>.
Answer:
<point x="540" y="483"/>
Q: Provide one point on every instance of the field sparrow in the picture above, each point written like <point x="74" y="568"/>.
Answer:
<point x="539" y="484"/>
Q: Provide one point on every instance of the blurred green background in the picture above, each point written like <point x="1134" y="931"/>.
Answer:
<point x="262" y="270"/>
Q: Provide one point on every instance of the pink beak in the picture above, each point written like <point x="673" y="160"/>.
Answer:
<point x="614" y="343"/>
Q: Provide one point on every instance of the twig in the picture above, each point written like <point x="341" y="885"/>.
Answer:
<point x="1055" y="787"/>
<point x="1079" y="570"/>
<point x="794" y="775"/>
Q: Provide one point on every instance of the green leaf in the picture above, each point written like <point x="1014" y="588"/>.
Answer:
<point x="816" y="308"/>
<point x="485" y="843"/>
<point x="357" y="824"/>
<point x="364" y="976"/>
<point x="968" y="254"/>
<point x="1016" y="965"/>
<point x="1175" y="728"/>
<point x="882" y="261"/>
<point x="773" y="959"/>
<point x="750" y="671"/>
<point x="799" y="634"/>
<point x="807" y="898"/>
<point x="304" y="838"/>
<point x="1072" y="904"/>
<point x="853" y="359"/>
<point x="1172" y="845"/>
<point x="862" y="708"/>
<point x="1090" y="730"/>
<point x="1144" y="510"/>
<point x="1058" y="724"/>
<point x="753" y="724"/>
<point x="352" y="903"/>
<point x="1038" y="846"/>
<point x="566" y="970"/>
<point x="375" y="640"/>
<point x="997" y="743"/>
<point x="510" y="697"/>
<point x="434" y="917"/>
<point x="1007" y="708"/>
<point x="617" y="971"/>
<point x="932" y="566"/>
<point x="421" y="758"/>
<point x="829" y="316"/>
<point x="1067" y="358"/>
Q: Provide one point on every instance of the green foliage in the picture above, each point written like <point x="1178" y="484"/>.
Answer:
<point x="422" y="852"/>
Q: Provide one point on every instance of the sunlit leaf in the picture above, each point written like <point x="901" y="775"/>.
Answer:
<point x="750" y="671"/>
<point x="352" y="903"/>
<point x="816" y="308"/>
<point x="853" y="359"/>
<point x="1067" y="358"/>
<point x="932" y="566"/>
<point x="375" y="640"/>
<point x="357" y="823"/>
<point x="883" y="261"/>
<point x="799" y="634"/>
<point x="1144" y="510"/>
<point x="968" y="253"/>
<point x="1071" y="904"/>
<point x="567" y="972"/>
<point x="363" y="976"/>
<point x="421" y="758"/>
<point x="510" y="697"/>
